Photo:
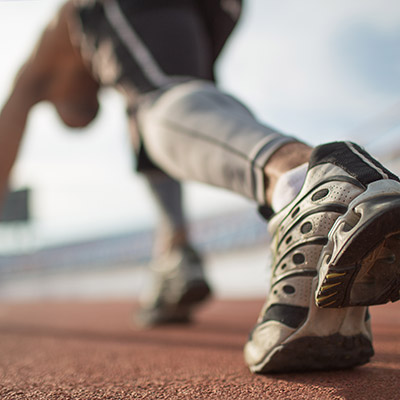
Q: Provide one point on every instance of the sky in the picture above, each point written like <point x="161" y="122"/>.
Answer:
<point x="318" y="70"/>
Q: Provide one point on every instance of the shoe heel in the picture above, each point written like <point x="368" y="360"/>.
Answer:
<point x="195" y="292"/>
<point x="360" y="265"/>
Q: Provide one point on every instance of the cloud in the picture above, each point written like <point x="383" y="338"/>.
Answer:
<point x="370" y="56"/>
<point x="294" y="64"/>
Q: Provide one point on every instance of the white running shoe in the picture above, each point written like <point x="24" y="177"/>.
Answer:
<point x="177" y="287"/>
<point x="334" y="245"/>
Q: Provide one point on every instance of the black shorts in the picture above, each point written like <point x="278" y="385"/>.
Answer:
<point x="143" y="45"/>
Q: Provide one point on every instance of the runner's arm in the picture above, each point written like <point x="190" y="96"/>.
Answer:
<point x="31" y="86"/>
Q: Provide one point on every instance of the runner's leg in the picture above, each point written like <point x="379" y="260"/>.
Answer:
<point x="320" y="261"/>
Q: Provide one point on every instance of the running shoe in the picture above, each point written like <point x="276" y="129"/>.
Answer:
<point x="177" y="287"/>
<point x="348" y="215"/>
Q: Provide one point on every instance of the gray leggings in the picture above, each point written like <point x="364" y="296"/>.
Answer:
<point x="193" y="131"/>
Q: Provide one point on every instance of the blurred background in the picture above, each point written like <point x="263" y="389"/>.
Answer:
<point x="321" y="71"/>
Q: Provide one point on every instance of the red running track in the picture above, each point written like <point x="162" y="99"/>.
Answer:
<point x="92" y="351"/>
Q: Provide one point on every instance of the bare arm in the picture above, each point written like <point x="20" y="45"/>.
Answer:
<point x="13" y="119"/>
<point x="33" y="83"/>
<point x="12" y="126"/>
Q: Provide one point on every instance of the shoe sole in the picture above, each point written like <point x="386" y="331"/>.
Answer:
<point x="317" y="354"/>
<point x="360" y="265"/>
<point x="195" y="291"/>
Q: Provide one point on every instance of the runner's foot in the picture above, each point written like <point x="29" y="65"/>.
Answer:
<point x="177" y="287"/>
<point x="343" y="184"/>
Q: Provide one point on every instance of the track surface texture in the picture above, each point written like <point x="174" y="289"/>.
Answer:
<point x="91" y="350"/>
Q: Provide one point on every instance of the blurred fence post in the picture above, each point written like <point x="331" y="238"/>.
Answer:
<point x="15" y="218"/>
<point x="16" y="207"/>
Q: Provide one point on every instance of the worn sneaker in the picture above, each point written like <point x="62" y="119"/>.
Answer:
<point x="346" y="194"/>
<point x="177" y="286"/>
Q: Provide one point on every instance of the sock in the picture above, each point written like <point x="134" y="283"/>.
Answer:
<point x="288" y="187"/>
